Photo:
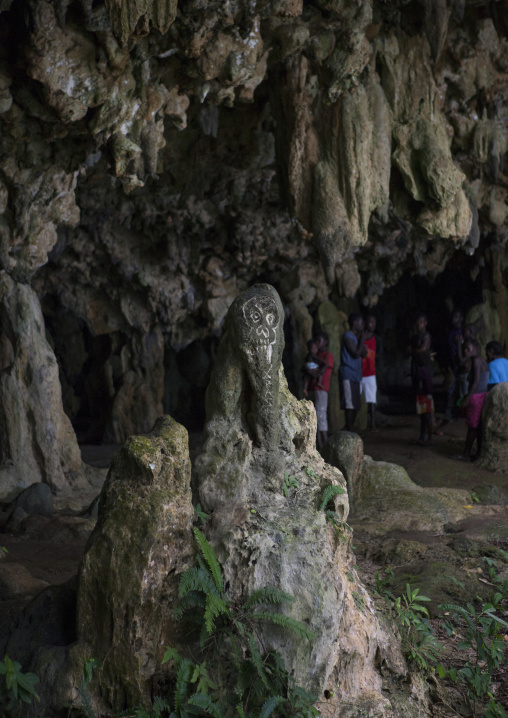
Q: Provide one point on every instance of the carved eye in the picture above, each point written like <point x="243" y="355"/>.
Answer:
<point x="270" y="319"/>
<point x="256" y="317"/>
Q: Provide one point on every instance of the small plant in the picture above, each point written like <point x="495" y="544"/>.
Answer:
<point x="202" y="516"/>
<point x="418" y="640"/>
<point x="382" y="583"/>
<point x="189" y="675"/>
<point x="89" y="666"/>
<point x="326" y="505"/>
<point x="501" y="584"/>
<point x="480" y="631"/>
<point x="15" y="686"/>
<point x="494" y="709"/>
<point x="290" y="482"/>
<point x="159" y="708"/>
<point x="327" y="496"/>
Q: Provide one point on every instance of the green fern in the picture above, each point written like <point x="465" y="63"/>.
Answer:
<point x="302" y="703"/>
<point x="197" y="579"/>
<point x="328" y="494"/>
<point x="215" y="606"/>
<point x="279" y="619"/>
<point x="192" y="600"/>
<point x="204" y="636"/>
<point x="243" y="678"/>
<point x="200" y="700"/>
<point x="183" y="677"/>
<point x="160" y="706"/>
<point x="138" y="713"/>
<point x="202" y="515"/>
<point x="332" y="516"/>
<point x="171" y="654"/>
<point x="240" y="627"/>
<point x="257" y="661"/>
<point x="224" y="625"/>
<point x="211" y="560"/>
<point x="270" y="705"/>
<point x="268" y="594"/>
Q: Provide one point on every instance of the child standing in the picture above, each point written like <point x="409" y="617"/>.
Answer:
<point x="369" y="383"/>
<point x="498" y="365"/>
<point x="475" y="398"/>
<point x="312" y="366"/>
<point x="318" y="395"/>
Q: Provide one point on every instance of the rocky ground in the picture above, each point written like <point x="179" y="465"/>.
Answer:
<point x="447" y="565"/>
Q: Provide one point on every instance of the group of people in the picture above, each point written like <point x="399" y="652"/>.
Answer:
<point x="357" y="373"/>
<point x="472" y="376"/>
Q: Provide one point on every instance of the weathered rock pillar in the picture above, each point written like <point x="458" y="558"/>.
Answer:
<point x="128" y="579"/>
<point x="37" y="441"/>
<point x="494" y="455"/>
<point x="257" y="435"/>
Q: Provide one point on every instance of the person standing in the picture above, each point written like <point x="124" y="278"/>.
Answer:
<point x="350" y="370"/>
<point x="369" y="383"/>
<point x="318" y="387"/>
<point x="474" y="399"/>
<point x="422" y="379"/>
<point x="498" y="365"/>
<point x="469" y="332"/>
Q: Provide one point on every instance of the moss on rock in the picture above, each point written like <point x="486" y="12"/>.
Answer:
<point x="387" y="500"/>
<point x="129" y="575"/>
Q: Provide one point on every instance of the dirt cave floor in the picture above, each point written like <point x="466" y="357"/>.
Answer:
<point x="47" y="550"/>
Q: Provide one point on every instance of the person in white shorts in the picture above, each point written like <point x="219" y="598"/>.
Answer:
<point x="369" y="383"/>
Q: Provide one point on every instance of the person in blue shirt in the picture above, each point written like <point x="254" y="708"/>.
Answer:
<point x="498" y="365"/>
<point x="350" y="370"/>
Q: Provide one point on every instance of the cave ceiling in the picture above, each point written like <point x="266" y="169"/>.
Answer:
<point x="157" y="157"/>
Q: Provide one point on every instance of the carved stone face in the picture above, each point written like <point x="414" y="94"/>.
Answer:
<point x="261" y="318"/>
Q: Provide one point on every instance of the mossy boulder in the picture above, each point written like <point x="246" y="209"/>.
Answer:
<point x="128" y="578"/>
<point x="345" y="451"/>
<point x="387" y="500"/>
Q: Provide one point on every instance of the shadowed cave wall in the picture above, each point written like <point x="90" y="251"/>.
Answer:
<point x="158" y="158"/>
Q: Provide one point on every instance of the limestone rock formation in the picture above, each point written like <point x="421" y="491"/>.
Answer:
<point x="387" y="497"/>
<point x="128" y="579"/>
<point x="494" y="454"/>
<point x="157" y="158"/>
<point x="383" y="497"/>
<point x="345" y="451"/>
<point x="264" y="537"/>
<point x="38" y="442"/>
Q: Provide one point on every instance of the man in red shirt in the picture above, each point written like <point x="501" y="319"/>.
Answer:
<point x="369" y="384"/>
<point x="319" y="396"/>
